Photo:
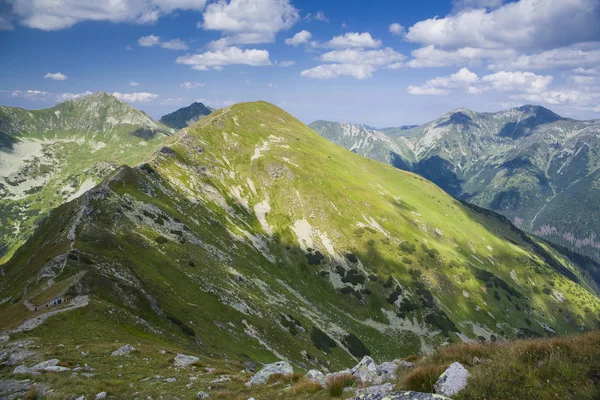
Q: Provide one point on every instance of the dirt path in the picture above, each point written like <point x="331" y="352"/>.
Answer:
<point x="77" y="302"/>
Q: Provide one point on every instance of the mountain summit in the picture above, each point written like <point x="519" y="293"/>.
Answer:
<point x="186" y="116"/>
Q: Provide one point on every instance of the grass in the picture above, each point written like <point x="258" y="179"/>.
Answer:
<point x="337" y="383"/>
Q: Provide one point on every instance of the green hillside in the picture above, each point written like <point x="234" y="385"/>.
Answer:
<point x="248" y="237"/>
<point x="51" y="156"/>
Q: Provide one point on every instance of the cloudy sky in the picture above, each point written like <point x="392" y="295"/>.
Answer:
<point x="381" y="62"/>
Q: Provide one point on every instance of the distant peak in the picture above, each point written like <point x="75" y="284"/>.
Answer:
<point x="537" y="110"/>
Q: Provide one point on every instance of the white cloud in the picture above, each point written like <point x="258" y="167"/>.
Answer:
<point x="357" y="63"/>
<point x="70" y="96"/>
<point x="219" y="58"/>
<point x="503" y="81"/>
<point x="61" y="14"/>
<point x="299" y="38"/>
<point x="286" y="63"/>
<point x="248" y="21"/>
<point x="359" y="56"/>
<point x="529" y="82"/>
<point x="523" y="25"/>
<point x="330" y="71"/>
<point x="30" y="94"/>
<point x="151" y="41"/>
<point x="56" y="76"/>
<point x="396" y="29"/>
<point x="575" y="98"/>
<point x="320" y="16"/>
<point x="192" y="85"/>
<point x="463" y="79"/>
<point x="133" y="84"/>
<point x="353" y="40"/>
<point x="175" y="44"/>
<point x="587" y="55"/>
<point x="430" y="56"/>
<point x="141" y="97"/>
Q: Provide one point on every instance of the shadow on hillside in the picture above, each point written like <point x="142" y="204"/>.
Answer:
<point x="7" y="143"/>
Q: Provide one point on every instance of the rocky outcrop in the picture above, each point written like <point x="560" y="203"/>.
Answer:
<point x="453" y="380"/>
<point x="46" y="366"/>
<point x="367" y="372"/>
<point x="278" y="368"/>
<point x="123" y="350"/>
<point x="404" y="395"/>
<point x="316" y="376"/>
<point x="183" y="361"/>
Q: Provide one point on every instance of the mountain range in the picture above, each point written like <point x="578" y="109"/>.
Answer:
<point x="248" y="238"/>
<point x="540" y="170"/>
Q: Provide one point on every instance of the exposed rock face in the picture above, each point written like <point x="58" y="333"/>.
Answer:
<point x="47" y="366"/>
<point x="281" y="367"/>
<point x="376" y="390"/>
<point x="123" y="350"/>
<point x="316" y="376"/>
<point x="368" y="372"/>
<point x="453" y="380"/>
<point x="401" y="396"/>
<point x="183" y="361"/>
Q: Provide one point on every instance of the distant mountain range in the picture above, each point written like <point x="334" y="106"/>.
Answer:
<point x="536" y="168"/>
<point x="186" y="116"/>
<point x="51" y="156"/>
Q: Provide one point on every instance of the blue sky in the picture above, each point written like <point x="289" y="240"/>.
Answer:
<point x="382" y="63"/>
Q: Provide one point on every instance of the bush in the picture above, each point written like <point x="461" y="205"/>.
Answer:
<point x="407" y="247"/>
<point x="337" y="383"/>
<point x="422" y="378"/>
<point x="321" y="340"/>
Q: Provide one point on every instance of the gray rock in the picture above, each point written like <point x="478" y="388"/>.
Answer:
<point x="378" y="389"/>
<point x="452" y="381"/>
<point x="202" y="395"/>
<point x="101" y="396"/>
<point x="80" y="398"/>
<point x="388" y="369"/>
<point x="367" y="372"/>
<point x="404" y="395"/>
<point x="47" y="366"/>
<point x="221" y="379"/>
<point x="123" y="350"/>
<point x="183" y="361"/>
<point x="262" y="376"/>
<point x="316" y="376"/>
<point x="87" y="367"/>
<point x="171" y="380"/>
<point x="250" y="366"/>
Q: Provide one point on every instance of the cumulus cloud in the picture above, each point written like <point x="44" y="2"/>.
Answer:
<point x="430" y="56"/>
<point x="58" y="76"/>
<point x="353" y="40"/>
<point x="192" y="85"/>
<point x="463" y="79"/>
<point x="503" y="81"/>
<point x="356" y="63"/>
<point x="396" y="29"/>
<point x="586" y="55"/>
<point x="524" y="25"/>
<point x="70" y="96"/>
<point x="229" y="56"/>
<point x="529" y="82"/>
<point x="30" y="94"/>
<point x="299" y="38"/>
<point x="61" y="14"/>
<point x="140" y="97"/>
<point x="248" y="21"/>
<point x="329" y="71"/>
<point x="151" y="41"/>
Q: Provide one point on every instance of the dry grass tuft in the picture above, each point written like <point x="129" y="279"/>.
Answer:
<point x="337" y="383"/>
<point x="422" y="378"/>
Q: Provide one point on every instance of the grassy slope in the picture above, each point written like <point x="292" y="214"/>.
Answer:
<point x="80" y="142"/>
<point x="247" y="288"/>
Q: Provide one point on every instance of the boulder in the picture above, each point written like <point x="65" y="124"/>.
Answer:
<point x="262" y="376"/>
<point x="388" y="370"/>
<point x="101" y="396"/>
<point x="453" y="380"/>
<point x="202" y="395"/>
<point x="183" y="361"/>
<point x="123" y="350"/>
<point x="367" y="371"/>
<point x="404" y="395"/>
<point x="404" y="364"/>
<point x="250" y="366"/>
<point x="316" y="376"/>
<point x="47" y="366"/>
